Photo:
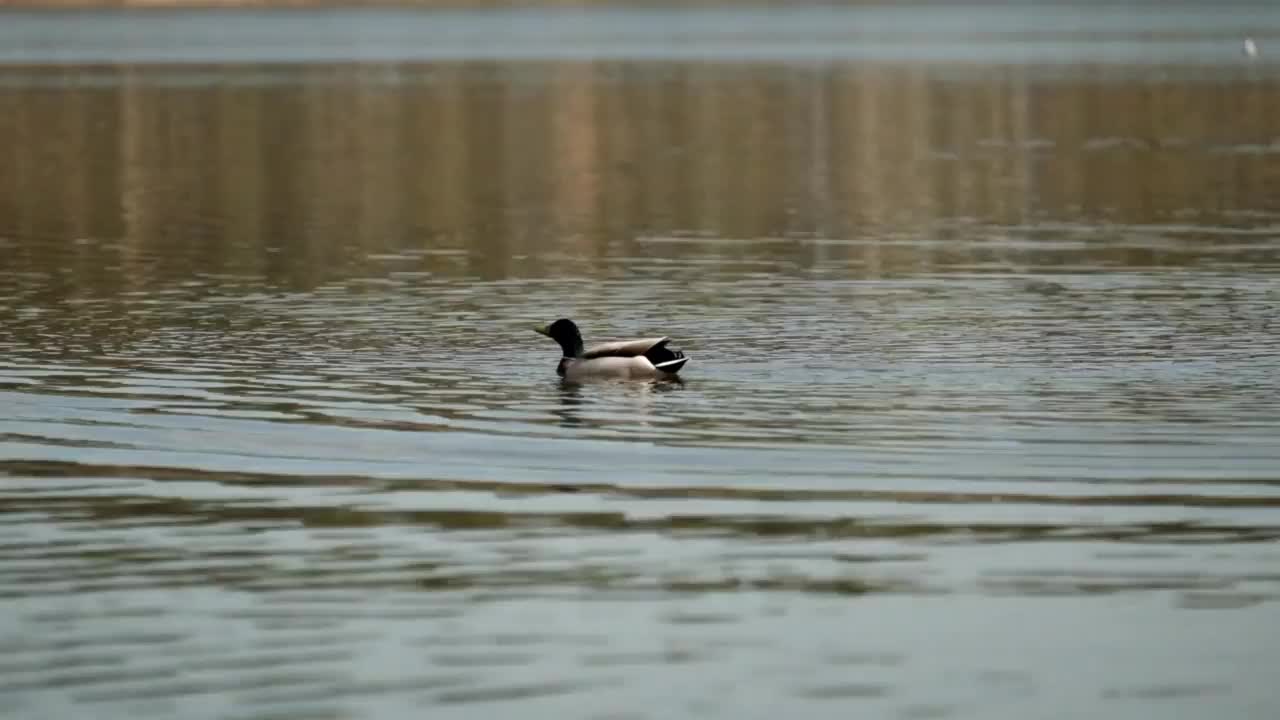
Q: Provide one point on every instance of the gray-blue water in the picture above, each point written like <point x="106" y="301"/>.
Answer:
<point x="981" y="419"/>
<point x="1006" y="33"/>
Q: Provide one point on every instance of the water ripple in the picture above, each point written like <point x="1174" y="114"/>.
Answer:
<point x="981" y="411"/>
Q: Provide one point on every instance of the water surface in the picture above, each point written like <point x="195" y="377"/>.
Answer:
<point x="981" y="419"/>
<point x="1020" y="33"/>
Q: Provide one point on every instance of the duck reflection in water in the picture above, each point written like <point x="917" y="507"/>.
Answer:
<point x="617" y="404"/>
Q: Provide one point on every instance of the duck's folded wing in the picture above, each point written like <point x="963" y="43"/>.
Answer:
<point x="624" y="348"/>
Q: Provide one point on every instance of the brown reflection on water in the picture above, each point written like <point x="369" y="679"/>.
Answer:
<point x="306" y="174"/>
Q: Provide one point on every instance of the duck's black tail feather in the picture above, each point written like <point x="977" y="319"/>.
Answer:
<point x="666" y="359"/>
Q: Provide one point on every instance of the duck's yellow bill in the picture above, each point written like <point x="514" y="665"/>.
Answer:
<point x="544" y="329"/>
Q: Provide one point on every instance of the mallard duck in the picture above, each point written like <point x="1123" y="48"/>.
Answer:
<point x="644" y="359"/>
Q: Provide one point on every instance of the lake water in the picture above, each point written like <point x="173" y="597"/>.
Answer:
<point x="981" y="419"/>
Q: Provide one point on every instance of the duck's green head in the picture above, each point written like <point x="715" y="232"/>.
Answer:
<point x="564" y="332"/>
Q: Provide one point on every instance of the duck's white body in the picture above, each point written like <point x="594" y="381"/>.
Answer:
<point x="607" y="367"/>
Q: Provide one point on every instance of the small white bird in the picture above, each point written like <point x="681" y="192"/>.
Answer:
<point x="1250" y="48"/>
<point x="644" y="359"/>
